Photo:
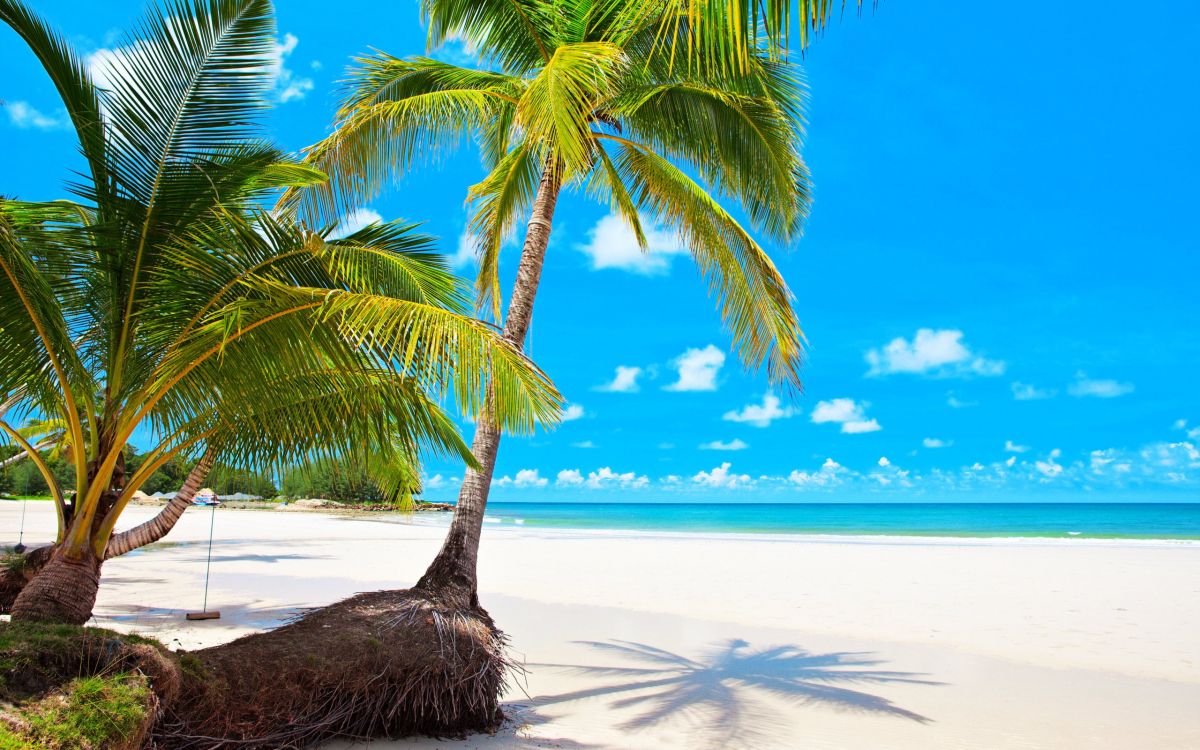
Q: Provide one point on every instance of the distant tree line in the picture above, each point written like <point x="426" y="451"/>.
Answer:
<point x="325" y="479"/>
<point x="23" y="478"/>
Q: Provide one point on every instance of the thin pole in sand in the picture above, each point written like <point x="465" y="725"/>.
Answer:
<point x="21" y="538"/>
<point x="204" y="614"/>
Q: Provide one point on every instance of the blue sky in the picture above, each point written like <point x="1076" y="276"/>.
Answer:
<point x="998" y="282"/>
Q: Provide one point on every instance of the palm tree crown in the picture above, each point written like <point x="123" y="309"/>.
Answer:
<point x="592" y="93"/>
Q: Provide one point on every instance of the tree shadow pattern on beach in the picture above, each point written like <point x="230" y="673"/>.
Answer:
<point x="720" y="693"/>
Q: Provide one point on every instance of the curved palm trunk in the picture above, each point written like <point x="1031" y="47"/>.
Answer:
<point x="22" y="455"/>
<point x="156" y="528"/>
<point x="71" y="585"/>
<point x="453" y="575"/>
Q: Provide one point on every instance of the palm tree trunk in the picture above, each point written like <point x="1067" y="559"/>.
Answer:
<point x="453" y="575"/>
<point x="64" y="591"/>
<point x="156" y="528"/>
<point x="48" y="600"/>
<point x="18" y="457"/>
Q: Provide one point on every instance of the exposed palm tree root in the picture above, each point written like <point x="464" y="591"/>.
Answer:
<point x="381" y="664"/>
<point x="18" y="569"/>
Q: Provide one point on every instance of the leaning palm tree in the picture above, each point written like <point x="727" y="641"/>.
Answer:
<point x="164" y="296"/>
<point x="589" y="97"/>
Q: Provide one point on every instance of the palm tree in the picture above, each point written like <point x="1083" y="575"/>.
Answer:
<point x="586" y="96"/>
<point x="164" y="296"/>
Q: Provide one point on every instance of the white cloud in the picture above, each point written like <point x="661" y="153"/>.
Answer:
<point x="315" y="65"/>
<point x="569" y="478"/>
<point x="850" y="414"/>
<point x="524" y="478"/>
<point x="572" y="412"/>
<point x="698" y="369"/>
<point x="760" y="415"/>
<point x="1194" y="433"/>
<point x="866" y="425"/>
<point x="1011" y="447"/>
<point x="464" y="255"/>
<point x="721" y="476"/>
<point x="625" y="380"/>
<point x="288" y="86"/>
<point x="612" y="244"/>
<point x="356" y="220"/>
<point x="1050" y="468"/>
<point x="936" y="443"/>
<point x="606" y="477"/>
<point x="1085" y="387"/>
<point x="732" y="445"/>
<point x="1027" y="392"/>
<point x="938" y="353"/>
<point x="954" y="402"/>
<point x="583" y="444"/>
<point x="434" y="482"/>
<point x="25" y="116"/>
<point x="830" y="474"/>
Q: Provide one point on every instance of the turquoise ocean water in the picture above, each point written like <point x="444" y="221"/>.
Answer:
<point x="1051" y="520"/>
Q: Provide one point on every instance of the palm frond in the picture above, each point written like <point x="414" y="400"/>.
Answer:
<point x="752" y="296"/>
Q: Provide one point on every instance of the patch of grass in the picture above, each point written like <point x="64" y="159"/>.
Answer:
<point x="64" y="687"/>
<point x="10" y="740"/>
<point x="90" y="713"/>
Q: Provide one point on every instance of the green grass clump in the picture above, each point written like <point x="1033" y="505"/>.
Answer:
<point x="10" y="740"/>
<point x="90" y="713"/>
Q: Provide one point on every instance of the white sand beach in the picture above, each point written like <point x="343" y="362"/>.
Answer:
<point x="650" y="640"/>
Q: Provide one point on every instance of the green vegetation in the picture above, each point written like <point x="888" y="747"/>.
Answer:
<point x="90" y="712"/>
<point x="235" y="331"/>
<point x="72" y="688"/>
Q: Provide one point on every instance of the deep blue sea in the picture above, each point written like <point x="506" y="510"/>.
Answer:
<point x="1052" y="520"/>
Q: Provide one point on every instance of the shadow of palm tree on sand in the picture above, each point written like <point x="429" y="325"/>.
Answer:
<point x="720" y="693"/>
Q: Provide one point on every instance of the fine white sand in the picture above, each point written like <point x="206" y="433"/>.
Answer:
<point x="639" y="640"/>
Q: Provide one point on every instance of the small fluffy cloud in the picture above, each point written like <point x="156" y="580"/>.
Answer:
<point x="464" y="254"/>
<point x="1182" y="424"/>
<point x="939" y="353"/>
<point x="954" y="402"/>
<point x="288" y="86"/>
<point x="717" y="445"/>
<point x="606" y="477"/>
<point x="830" y="474"/>
<point x="524" y="478"/>
<point x="936" y="443"/>
<point x="698" y="369"/>
<point x="583" y="444"/>
<point x="760" y="415"/>
<point x="612" y="244"/>
<point x="1050" y="468"/>
<point x="357" y="219"/>
<point x="851" y="415"/>
<point x="23" y="115"/>
<point x="569" y="478"/>
<point x="572" y="412"/>
<point x="1011" y="447"/>
<point x="1085" y="387"/>
<point x="721" y="476"/>
<point x="437" y="481"/>
<point x="625" y="380"/>
<point x="1027" y="392"/>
